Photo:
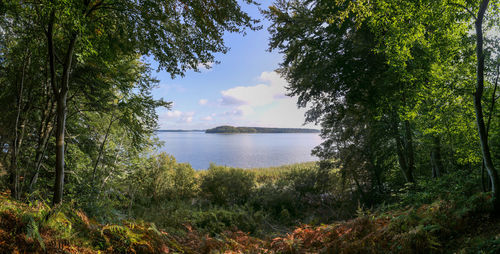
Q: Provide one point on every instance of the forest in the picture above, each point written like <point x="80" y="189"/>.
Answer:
<point x="404" y="92"/>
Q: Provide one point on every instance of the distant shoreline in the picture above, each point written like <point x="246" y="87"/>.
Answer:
<point x="180" y="131"/>
<point x="247" y="130"/>
<point x="226" y="129"/>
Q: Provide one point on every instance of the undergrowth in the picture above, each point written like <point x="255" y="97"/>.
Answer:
<point x="441" y="226"/>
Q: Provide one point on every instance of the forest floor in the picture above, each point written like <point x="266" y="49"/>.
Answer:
<point x="440" y="227"/>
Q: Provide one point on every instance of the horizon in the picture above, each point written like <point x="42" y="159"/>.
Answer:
<point x="203" y="129"/>
<point x="243" y="90"/>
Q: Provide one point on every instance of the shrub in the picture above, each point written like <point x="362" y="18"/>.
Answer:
<point x="227" y="186"/>
<point x="217" y="220"/>
<point x="162" y="178"/>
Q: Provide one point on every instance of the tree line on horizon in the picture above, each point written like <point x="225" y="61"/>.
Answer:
<point x="232" y="129"/>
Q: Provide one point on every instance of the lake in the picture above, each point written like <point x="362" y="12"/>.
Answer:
<point x="239" y="150"/>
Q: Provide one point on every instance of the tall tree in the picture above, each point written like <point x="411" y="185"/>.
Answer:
<point x="478" y="96"/>
<point x="331" y="66"/>
<point x="180" y="35"/>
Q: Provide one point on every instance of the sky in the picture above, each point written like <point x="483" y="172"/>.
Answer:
<point x="242" y="90"/>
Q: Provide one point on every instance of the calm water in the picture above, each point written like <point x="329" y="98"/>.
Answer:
<point x="239" y="150"/>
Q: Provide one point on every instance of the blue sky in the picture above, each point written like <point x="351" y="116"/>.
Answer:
<point x="243" y="90"/>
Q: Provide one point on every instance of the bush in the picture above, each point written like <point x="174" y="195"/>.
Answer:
<point x="457" y="186"/>
<point x="162" y="178"/>
<point x="227" y="186"/>
<point x="307" y="194"/>
<point x="217" y="220"/>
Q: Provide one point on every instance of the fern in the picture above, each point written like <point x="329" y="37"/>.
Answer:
<point x="155" y="230"/>
<point x="33" y="232"/>
<point x="115" y="229"/>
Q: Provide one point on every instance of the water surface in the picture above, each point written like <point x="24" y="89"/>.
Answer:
<point x="240" y="150"/>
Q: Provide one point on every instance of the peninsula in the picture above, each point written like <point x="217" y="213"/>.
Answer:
<point x="232" y="129"/>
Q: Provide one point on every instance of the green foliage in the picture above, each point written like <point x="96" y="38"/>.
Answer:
<point x="390" y="82"/>
<point x="417" y="224"/>
<point x="218" y="220"/>
<point x="481" y="244"/>
<point x="274" y="173"/>
<point x="86" y="59"/>
<point x="226" y="186"/>
<point x="162" y="178"/>
<point x="307" y="193"/>
<point x="456" y="187"/>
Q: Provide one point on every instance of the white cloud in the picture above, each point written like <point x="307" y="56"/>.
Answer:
<point x="235" y="112"/>
<point x="178" y="116"/>
<point x="187" y="117"/>
<point x="173" y="114"/>
<point x="247" y="98"/>
<point x="205" y="67"/>
<point x="258" y="95"/>
<point x="285" y="114"/>
<point x="264" y="104"/>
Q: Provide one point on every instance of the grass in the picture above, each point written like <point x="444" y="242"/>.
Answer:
<point x="274" y="173"/>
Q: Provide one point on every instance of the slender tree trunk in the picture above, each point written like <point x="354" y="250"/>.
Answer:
<point x="101" y="150"/>
<point x="483" y="136"/>
<point x="436" y="160"/>
<point x="488" y="124"/>
<point x="60" y="129"/>
<point x="18" y="133"/>
<point x="400" y="151"/>
<point x="39" y="159"/>
<point x="44" y="133"/>
<point x="14" y="174"/>
<point x="114" y="165"/>
<point x="409" y="151"/>
<point x="61" y="107"/>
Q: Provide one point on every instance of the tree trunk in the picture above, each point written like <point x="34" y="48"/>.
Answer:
<point x="400" y="151"/>
<point x="14" y="173"/>
<point x="101" y="150"/>
<point x="18" y="133"/>
<point x="488" y="124"/>
<point x="39" y="158"/>
<point x="60" y="129"/>
<point x="61" y="108"/>
<point x="114" y="165"/>
<point x="409" y="151"/>
<point x="436" y="161"/>
<point x="483" y="136"/>
<point x="44" y="133"/>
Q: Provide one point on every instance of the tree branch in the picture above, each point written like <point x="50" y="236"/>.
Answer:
<point x="465" y="8"/>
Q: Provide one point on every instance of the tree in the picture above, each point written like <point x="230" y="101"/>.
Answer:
<point x="332" y="66"/>
<point x="180" y="35"/>
<point x="427" y="54"/>
<point x="478" y="96"/>
<point x="447" y="20"/>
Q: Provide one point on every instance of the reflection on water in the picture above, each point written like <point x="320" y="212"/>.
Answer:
<point x="239" y="150"/>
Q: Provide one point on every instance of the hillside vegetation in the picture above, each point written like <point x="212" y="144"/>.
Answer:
<point x="422" y="219"/>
